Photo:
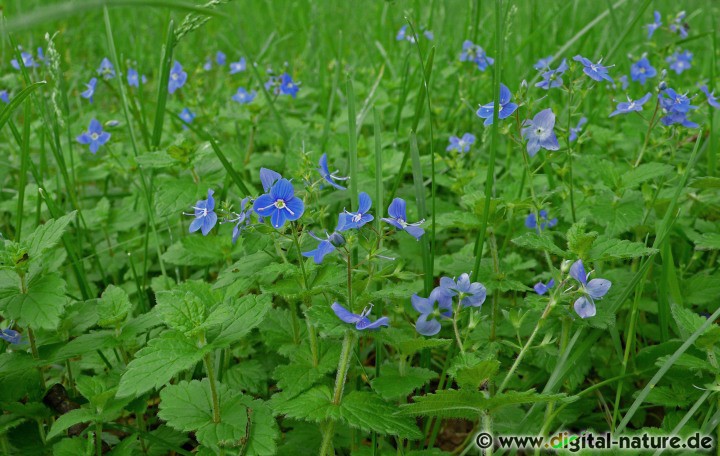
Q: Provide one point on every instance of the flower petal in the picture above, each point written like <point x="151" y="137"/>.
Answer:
<point x="422" y="305"/>
<point x="577" y="272"/>
<point x="396" y="209"/>
<point x="366" y="324"/>
<point x="268" y="178"/>
<point x="584" y="307"/>
<point x="294" y="208"/>
<point x="264" y="205"/>
<point x="427" y="328"/>
<point x="597" y="288"/>
<point x="414" y="231"/>
<point x="344" y="314"/>
<point x="365" y="202"/>
<point x="282" y="189"/>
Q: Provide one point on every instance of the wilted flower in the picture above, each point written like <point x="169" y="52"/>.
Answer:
<point x="539" y="132"/>
<point x="11" y="336"/>
<point x="329" y="177"/>
<point x="506" y="107"/>
<point x="205" y="216"/>
<point x="596" y="71"/>
<point x="625" y="107"/>
<point x="241" y="220"/>
<point x="461" y="144"/>
<point x="712" y="101"/>
<point x="398" y="219"/>
<point x="355" y="220"/>
<point x="678" y="26"/>
<point x="94" y="136"/>
<point x="361" y="321"/>
<point x="594" y="289"/>
<point x="279" y="204"/>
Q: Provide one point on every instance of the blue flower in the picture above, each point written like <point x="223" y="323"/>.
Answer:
<point x="268" y="177"/>
<point x="287" y="86"/>
<point x="187" y="116"/>
<point x="279" y="204"/>
<point x="596" y="71"/>
<point x="553" y="78"/>
<point x="712" y="101"/>
<point x="531" y="221"/>
<point x="329" y="177"/>
<point x="471" y="294"/>
<point x="27" y="60"/>
<point x="436" y="306"/>
<point x="541" y="288"/>
<point x="543" y="64"/>
<point x="11" y="336"/>
<point x="177" y="77"/>
<point x="680" y="61"/>
<point x="241" y="220"/>
<point x="134" y="78"/>
<point x="361" y="321"/>
<point x="575" y="131"/>
<point x="239" y="66"/>
<point x="208" y="64"/>
<point x="676" y="108"/>
<point x="398" y="219"/>
<point x="624" y="81"/>
<point x="679" y="26"/>
<point x="90" y="90"/>
<point x="429" y="35"/>
<point x="220" y="58"/>
<point x="94" y="136"/>
<point x="355" y="220"/>
<point x="473" y="53"/>
<point x="325" y="246"/>
<point x="625" y="107"/>
<point x="4" y="96"/>
<point x="243" y="96"/>
<point x="539" y="132"/>
<point x="655" y="25"/>
<point x="205" y="216"/>
<point x="641" y="71"/>
<point x="106" y="69"/>
<point x="461" y="144"/>
<point x="594" y="289"/>
<point x="506" y="107"/>
<point x="402" y="34"/>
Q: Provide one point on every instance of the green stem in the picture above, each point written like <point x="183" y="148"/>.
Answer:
<point x="213" y="386"/>
<point x="647" y="134"/>
<point x="328" y="428"/>
<point x="455" y="326"/>
<point x="98" y="438"/>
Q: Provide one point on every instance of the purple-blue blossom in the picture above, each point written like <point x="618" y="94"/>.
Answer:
<point x="592" y="290"/>
<point x="680" y="61"/>
<point x="506" y="107"/>
<point x="436" y="306"/>
<point x="575" y="131"/>
<point x="178" y="77"/>
<point x="542" y="288"/>
<point x="239" y="66"/>
<point x="325" y="246"/>
<point x="625" y="107"/>
<point x="355" y="220"/>
<point x="27" y="61"/>
<point x="187" y="116"/>
<point x="539" y="132"/>
<point x="553" y="78"/>
<point x="676" y="107"/>
<point x="89" y="91"/>
<point x="4" y="96"/>
<point x="133" y="78"/>
<point x="544" y="63"/>
<point x="10" y="336"/>
<point x="242" y="96"/>
<point x="655" y="25"/>
<point x="106" y="69"/>
<point x="641" y="71"/>
<point x="595" y="71"/>
<point x="531" y="221"/>
<point x="329" y="177"/>
<point x="241" y="220"/>
<point x="94" y="136"/>
<point x="470" y="294"/>
<point x="361" y="321"/>
<point x="461" y="144"/>
<point x="398" y="219"/>
<point x="679" y="26"/>
<point x="288" y="86"/>
<point x="474" y="53"/>
<point x="711" y="99"/>
<point x="280" y="204"/>
<point x="220" y="58"/>
<point x="205" y="216"/>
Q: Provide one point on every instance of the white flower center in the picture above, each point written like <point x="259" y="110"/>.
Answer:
<point x="94" y="136"/>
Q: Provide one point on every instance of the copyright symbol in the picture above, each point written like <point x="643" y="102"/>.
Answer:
<point x="484" y="440"/>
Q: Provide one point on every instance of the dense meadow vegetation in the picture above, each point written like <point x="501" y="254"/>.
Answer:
<point x="381" y="227"/>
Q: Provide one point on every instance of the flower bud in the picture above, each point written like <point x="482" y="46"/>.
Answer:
<point x="565" y="267"/>
<point x="336" y="239"/>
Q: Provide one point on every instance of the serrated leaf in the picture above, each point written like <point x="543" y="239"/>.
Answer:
<point x="46" y="236"/>
<point x="113" y="306"/>
<point x="197" y="250"/>
<point x="412" y="346"/>
<point x="645" y="172"/>
<point x="301" y="374"/>
<point x="606" y="248"/>
<point x="473" y="377"/>
<point x="314" y="405"/>
<point x="40" y="306"/>
<point x="247" y="312"/>
<point x="579" y="241"/>
<point x="539" y="241"/>
<point x="70" y="419"/>
<point x="264" y="430"/>
<point x="618" y="214"/>
<point x="185" y="307"/>
<point x="705" y="182"/>
<point x="369" y="412"/>
<point x="156" y="364"/>
<point x="707" y="241"/>
<point x="392" y="383"/>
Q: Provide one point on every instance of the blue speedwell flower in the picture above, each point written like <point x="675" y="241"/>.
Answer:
<point x="539" y="132"/>
<point x="596" y="71"/>
<point x="398" y="219"/>
<point x="711" y="99"/>
<point x="641" y="71"/>
<point x="239" y="66"/>
<point x="89" y="92"/>
<point x="106" y="69"/>
<point x="94" y="136"/>
<point x="531" y="221"/>
<point x="187" y="115"/>
<point x="624" y="81"/>
<point x="543" y="64"/>
<point x="474" y="53"/>
<point x="676" y="107"/>
<point x="541" y="288"/>
<point x="220" y="58"/>
<point x="436" y="306"/>
<point x="461" y="144"/>
<point x="177" y="77"/>
<point x="680" y="61"/>
<point x="655" y="25"/>
<point x="241" y="220"/>
<point x="575" y="131"/>
<point x="287" y="86"/>
<point x="594" y="289"/>
<point x="506" y="107"/>
<point x="4" y="96"/>
<point x="355" y="220"/>
<point x="27" y="61"/>
<point x="625" y="107"/>
<point x="329" y="177"/>
<point x="205" y="216"/>
<point x="325" y="246"/>
<point x="279" y="204"/>
<point x="361" y="321"/>
<point x="133" y="78"/>
<point x="678" y="26"/>
<point x="470" y="294"/>
<point x="10" y="335"/>
<point x="243" y="96"/>
<point x="268" y="177"/>
<point x="553" y="78"/>
<point x="208" y="64"/>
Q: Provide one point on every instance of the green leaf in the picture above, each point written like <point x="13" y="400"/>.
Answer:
<point x="367" y="411"/>
<point x="412" y="346"/>
<point x="17" y="99"/>
<point x="539" y="241"/>
<point x="247" y="312"/>
<point x="188" y="407"/>
<point x="314" y="405"/>
<point x="644" y="173"/>
<point x="40" y="306"/>
<point x="48" y="235"/>
<point x="392" y="384"/>
<point x="707" y="241"/>
<point x="264" y="430"/>
<point x="185" y="308"/>
<point x="113" y="307"/>
<point x="618" y="214"/>
<point x="70" y="419"/>
<point x="579" y="241"/>
<point x="156" y="364"/>
<point x="470" y="404"/>
<point x="199" y="251"/>
<point x="606" y="248"/>
<point x="301" y="374"/>
<point x="473" y="377"/>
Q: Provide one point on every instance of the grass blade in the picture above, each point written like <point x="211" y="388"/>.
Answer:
<point x="17" y="101"/>
<point x="165" y="62"/>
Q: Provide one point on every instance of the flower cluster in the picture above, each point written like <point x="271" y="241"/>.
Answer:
<point x="282" y="85"/>
<point x="676" y="107"/>
<point x="439" y="304"/>
<point x="473" y="53"/>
